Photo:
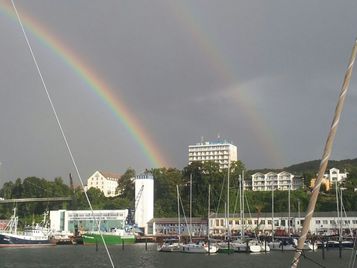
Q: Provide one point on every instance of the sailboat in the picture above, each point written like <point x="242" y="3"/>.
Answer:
<point x="171" y="245"/>
<point x="201" y="246"/>
<point x="286" y="243"/>
<point x="225" y="246"/>
<point x="340" y="243"/>
<point x="243" y="244"/>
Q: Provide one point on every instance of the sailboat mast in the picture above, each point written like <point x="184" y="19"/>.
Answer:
<point x="178" y="213"/>
<point x="191" y="206"/>
<point x="272" y="211"/>
<point x="228" y="229"/>
<point x="243" y="204"/>
<point x="209" y="208"/>
<point x="240" y="206"/>
<point x="289" y="208"/>
<point x="325" y="158"/>
<point x="337" y="209"/>
<point x="341" y="205"/>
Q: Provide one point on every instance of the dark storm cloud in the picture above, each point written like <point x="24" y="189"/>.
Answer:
<point x="185" y="70"/>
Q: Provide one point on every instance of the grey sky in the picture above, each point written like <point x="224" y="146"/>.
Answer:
<point x="263" y="74"/>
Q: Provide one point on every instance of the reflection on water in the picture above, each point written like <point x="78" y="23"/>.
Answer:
<point x="136" y="256"/>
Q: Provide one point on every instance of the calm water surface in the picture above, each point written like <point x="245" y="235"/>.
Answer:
<point x="137" y="256"/>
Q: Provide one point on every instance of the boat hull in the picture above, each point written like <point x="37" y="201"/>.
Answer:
<point x="110" y="239"/>
<point x="10" y="240"/>
<point x="170" y="248"/>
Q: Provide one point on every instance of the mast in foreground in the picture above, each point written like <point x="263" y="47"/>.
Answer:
<point x="325" y="158"/>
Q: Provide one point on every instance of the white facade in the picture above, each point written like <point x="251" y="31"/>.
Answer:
<point x="105" y="181"/>
<point x="144" y="199"/>
<point x="335" y="175"/>
<point x="219" y="152"/>
<point x="321" y="223"/>
<point x="277" y="181"/>
<point x="66" y="220"/>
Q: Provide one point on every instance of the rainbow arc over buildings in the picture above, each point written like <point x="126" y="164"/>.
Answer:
<point x="111" y="100"/>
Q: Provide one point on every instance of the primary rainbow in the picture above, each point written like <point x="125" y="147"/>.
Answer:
<point x="98" y="86"/>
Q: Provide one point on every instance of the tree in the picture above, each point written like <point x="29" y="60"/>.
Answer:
<point x="126" y="185"/>
<point x="165" y="181"/>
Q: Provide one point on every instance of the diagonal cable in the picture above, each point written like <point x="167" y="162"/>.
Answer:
<point x="60" y="126"/>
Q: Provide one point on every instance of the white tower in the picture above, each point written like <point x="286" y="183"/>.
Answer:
<point x="144" y="199"/>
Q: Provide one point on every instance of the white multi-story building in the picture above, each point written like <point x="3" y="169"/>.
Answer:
<point x="277" y="181"/>
<point x="144" y="200"/>
<point x="219" y="152"/>
<point x="335" y="175"/>
<point x="105" y="181"/>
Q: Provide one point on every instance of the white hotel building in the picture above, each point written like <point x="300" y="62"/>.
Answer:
<point x="219" y="152"/>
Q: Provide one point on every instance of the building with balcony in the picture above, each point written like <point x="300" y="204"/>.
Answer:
<point x="334" y="175"/>
<point x="275" y="181"/>
<point x="219" y="152"/>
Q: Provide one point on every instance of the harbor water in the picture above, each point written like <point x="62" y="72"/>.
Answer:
<point x="138" y="255"/>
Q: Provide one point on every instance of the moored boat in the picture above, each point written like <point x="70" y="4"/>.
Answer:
<point x="115" y="237"/>
<point x="225" y="247"/>
<point x="252" y="246"/>
<point x="32" y="236"/>
<point x="170" y="245"/>
<point x="199" y="247"/>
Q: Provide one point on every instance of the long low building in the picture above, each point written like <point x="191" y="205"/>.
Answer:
<point x="169" y="227"/>
<point x="322" y="223"/>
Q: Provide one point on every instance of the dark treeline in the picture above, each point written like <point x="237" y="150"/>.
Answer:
<point x="165" y="196"/>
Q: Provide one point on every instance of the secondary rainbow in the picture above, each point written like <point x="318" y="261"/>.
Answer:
<point x="209" y="46"/>
<point x="98" y="86"/>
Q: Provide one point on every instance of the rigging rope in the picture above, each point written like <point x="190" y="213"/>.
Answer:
<point x="60" y="126"/>
<point x="325" y="158"/>
<point x="184" y="215"/>
<point x="220" y="195"/>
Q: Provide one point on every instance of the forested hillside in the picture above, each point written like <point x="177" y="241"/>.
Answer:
<point x="165" y="195"/>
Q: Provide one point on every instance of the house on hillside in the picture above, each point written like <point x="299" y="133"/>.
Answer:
<point x="282" y="181"/>
<point x="107" y="182"/>
<point x="330" y="179"/>
<point x="335" y="175"/>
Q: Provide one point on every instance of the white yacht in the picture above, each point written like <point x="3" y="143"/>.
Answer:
<point x="199" y="247"/>
<point x="170" y="245"/>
